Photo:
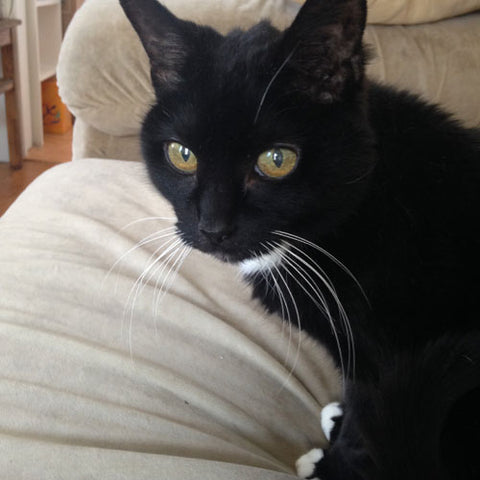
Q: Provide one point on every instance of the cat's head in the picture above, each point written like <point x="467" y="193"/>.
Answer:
<point x="257" y="131"/>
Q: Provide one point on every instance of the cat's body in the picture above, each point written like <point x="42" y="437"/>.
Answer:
<point x="411" y="244"/>
<point x="272" y="146"/>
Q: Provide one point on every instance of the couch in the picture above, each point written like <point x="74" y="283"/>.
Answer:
<point x="104" y="72"/>
<point x="114" y="364"/>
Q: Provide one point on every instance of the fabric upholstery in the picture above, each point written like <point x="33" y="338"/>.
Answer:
<point x="102" y="378"/>
<point x="417" y="11"/>
<point x="401" y="12"/>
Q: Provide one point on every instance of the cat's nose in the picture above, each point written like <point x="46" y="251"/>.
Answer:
<point x="216" y="233"/>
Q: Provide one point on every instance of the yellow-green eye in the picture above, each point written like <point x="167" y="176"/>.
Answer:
<point x="277" y="162"/>
<point x="182" y="158"/>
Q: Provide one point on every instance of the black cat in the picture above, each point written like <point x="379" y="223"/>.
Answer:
<point x="351" y="207"/>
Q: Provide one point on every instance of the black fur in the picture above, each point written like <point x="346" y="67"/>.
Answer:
<point x="385" y="182"/>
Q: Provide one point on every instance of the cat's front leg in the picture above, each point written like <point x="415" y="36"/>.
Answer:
<point x="330" y="418"/>
<point x="344" y="459"/>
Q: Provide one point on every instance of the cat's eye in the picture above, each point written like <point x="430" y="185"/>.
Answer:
<point x="277" y="162"/>
<point x="182" y="158"/>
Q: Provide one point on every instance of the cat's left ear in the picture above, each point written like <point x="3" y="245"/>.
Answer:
<point x="325" y="45"/>
<point x="164" y="37"/>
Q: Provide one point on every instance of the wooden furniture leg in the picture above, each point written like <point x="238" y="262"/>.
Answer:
<point x="7" y="87"/>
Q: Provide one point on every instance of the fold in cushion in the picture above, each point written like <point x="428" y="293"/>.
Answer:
<point x="97" y="364"/>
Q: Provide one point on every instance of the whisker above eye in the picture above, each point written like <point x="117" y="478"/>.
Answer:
<point x="270" y="83"/>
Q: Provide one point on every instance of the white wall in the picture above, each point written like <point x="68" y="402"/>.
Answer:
<point x="3" y="122"/>
<point x="3" y="126"/>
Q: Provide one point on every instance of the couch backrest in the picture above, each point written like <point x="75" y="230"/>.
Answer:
<point x="104" y="76"/>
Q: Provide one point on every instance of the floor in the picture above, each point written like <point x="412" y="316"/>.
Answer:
<point x="56" y="149"/>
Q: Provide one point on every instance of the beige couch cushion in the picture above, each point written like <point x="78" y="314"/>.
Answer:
<point x="103" y="378"/>
<point x="417" y="11"/>
<point x="398" y="12"/>
<point x="439" y="61"/>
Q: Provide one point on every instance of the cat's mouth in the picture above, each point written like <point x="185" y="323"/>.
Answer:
<point x="252" y="257"/>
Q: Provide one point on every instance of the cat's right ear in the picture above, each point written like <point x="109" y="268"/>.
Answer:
<point x="325" y="46"/>
<point x="163" y="36"/>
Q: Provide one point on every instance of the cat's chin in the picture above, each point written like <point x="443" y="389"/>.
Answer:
<point x="225" y="254"/>
<point x="227" y="257"/>
<point x="252" y="265"/>
<point x="219" y="254"/>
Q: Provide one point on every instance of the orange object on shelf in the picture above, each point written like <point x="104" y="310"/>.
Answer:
<point x="56" y="117"/>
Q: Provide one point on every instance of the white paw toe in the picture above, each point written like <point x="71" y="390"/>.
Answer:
<point x="329" y="413"/>
<point x="306" y="463"/>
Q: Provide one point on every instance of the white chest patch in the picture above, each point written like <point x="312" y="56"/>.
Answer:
<point x="263" y="263"/>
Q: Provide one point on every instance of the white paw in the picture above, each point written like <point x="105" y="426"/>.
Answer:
<point x="306" y="463"/>
<point x="328" y="416"/>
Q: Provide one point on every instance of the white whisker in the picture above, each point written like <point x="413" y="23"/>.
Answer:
<point x="153" y="266"/>
<point x="153" y="237"/>
<point x="158" y="272"/>
<point x="343" y="315"/>
<point x="170" y="276"/>
<point x="323" y="306"/>
<point x="140" y="283"/>
<point x="320" y="301"/>
<point x="297" y="316"/>
<point x="146" y="219"/>
<point x="321" y="274"/>
<point x="291" y="236"/>
<point x="267" y="273"/>
<point x="270" y="83"/>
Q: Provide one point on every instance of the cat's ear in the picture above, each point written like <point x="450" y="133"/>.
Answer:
<point x="164" y="37"/>
<point x="325" y="44"/>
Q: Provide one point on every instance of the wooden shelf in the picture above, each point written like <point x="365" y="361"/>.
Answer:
<point x="5" y="85"/>
<point x="7" y="23"/>
<point x="7" y="88"/>
<point x="46" y="3"/>
<point x="44" y="35"/>
<point x="47" y="71"/>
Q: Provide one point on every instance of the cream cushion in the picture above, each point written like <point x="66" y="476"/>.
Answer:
<point x="416" y="11"/>
<point x="102" y="377"/>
